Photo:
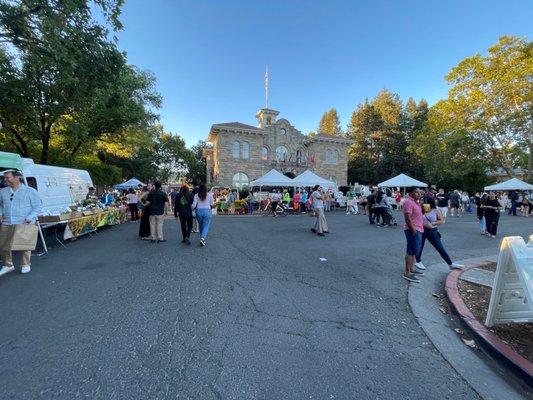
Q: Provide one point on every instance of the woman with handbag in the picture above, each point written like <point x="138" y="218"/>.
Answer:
<point x="432" y="219"/>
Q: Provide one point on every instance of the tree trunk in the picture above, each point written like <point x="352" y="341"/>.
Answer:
<point x="45" y="138"/>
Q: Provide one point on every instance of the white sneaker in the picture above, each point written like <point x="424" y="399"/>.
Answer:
<point x="24" y="269"/>
<point x="456" y="266"/>
<point x="419" y="265"/>
<point x="6" y="268"/>
<point x="202" y="242"/>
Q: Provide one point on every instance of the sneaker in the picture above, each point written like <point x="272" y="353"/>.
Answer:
<point x="188" y="241"/>
<point x="313" y="230"/>
<point x="202" y="242"/>
<point x="326" y="232"/>
<point x="456" y="266"/>
<point x="419" y="265"/>
<point x="410" y="278"/>
<point x="25" y="269"/>
<point x="6" y="269"/>
<point x="320" y="234"/>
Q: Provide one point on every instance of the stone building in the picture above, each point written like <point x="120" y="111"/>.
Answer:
<point x="241" y="153"/>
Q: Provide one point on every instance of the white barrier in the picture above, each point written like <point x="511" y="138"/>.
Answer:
<point x="511" y="300"/>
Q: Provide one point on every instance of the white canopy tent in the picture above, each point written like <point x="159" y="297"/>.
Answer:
<point x="309" y="178"/>
<point x="273" y="178"/>
<point x="511" y="184"/>
<point x="402" y="180"/>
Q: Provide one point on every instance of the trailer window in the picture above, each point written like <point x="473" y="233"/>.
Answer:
<point x="32" y="182"/>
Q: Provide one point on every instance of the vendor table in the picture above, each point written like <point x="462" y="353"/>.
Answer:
<point x="85" y="225"/>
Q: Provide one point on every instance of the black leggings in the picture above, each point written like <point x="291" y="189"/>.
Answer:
<point x="133" y="211"/>
<point x="492" y="223"/>
<point x="186" y="226"/>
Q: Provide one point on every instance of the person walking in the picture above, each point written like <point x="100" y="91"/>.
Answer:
<point x="321" y="225"/>
<point x="158" y="201"/>
<point x="250" y="200"/>
<point x="296" y="201"/>
<point x="492" y="209"/>
<point x="480" y="212"/>
<point x="183" y="208"/>
<point x="144" y="226"/>
<point x="455" y="203"/>
<point x="432" y="219"/>
<point x="276" y="198"/>
<point x="303" y="201"/>
<point x="19" y="204"/>
<point x="413" y="230"/>
<point x="202" y="204"/>
<point x="513" y="196"/>
<point x="443" y="202"/>
<point x="132" y="200"/>
<point x="195" y="226"/>
<point x="370" y="203"/>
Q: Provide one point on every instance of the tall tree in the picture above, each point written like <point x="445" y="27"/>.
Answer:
<point x="63" y="75"/>
<point x="492" y="98"/>
<point x="329" y="123"/>
<point x="197" y="169"/>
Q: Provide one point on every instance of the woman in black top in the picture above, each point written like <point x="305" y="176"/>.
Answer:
<point x="144" y="226"/>
<point x="183" y="207"/>
<point x="492" y="214"/>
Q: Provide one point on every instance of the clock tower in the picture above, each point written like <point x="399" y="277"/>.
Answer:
<point x="266" y="117"/>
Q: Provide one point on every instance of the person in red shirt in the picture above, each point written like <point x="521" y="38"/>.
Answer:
<point x="413" y="229"/>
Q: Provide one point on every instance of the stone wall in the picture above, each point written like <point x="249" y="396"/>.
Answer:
<point x="337" y="171"/>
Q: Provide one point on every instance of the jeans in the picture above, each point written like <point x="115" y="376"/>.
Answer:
<point x="482" y="224"/>
<point x="414" y="242"/>
<point x="203" y="215"/>
<point x="433" y="236"/>
<point x="250" y="208"/>
<point x="327" y="205"/>
<point x="512" y="210"/>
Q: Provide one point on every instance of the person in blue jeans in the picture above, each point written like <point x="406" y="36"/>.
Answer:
<point x="432" y="219"/>
<point x="203" y="203"/>
<point x="513" y="196"/>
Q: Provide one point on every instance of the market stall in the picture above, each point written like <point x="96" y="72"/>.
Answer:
<point x="132" y="183"/>
<point x="310" y="179"/>
<point x="511" y="184"/>
<point x="402" y="181"/>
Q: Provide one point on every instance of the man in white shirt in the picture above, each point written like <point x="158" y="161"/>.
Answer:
<point x="19" y="204"/>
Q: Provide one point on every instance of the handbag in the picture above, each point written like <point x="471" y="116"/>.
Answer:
<point x="20" y="237"/>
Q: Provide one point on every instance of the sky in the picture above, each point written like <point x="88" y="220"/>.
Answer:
<point x="209" y="57"/>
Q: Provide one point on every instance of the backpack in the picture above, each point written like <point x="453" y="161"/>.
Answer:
<point x="309" y="201"/>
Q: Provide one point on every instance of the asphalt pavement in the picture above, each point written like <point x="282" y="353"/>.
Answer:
<point x="256" y="314"/>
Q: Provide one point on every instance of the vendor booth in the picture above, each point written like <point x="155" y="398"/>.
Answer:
<point x="511" y="184"/>
<point x="310" y="179"/>
<point x="132" y="183"/>
<point x="273" y="178"/>
<point x="402" y="181"/>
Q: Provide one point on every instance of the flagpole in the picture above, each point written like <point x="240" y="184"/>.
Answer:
<point x="266" y="87"/>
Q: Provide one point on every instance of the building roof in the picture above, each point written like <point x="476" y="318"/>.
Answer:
<point x="329" y="138"/>
<point x="237" y="125"/>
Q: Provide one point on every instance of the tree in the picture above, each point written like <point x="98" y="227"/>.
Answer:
<point x="197" y="169"/>
<point x="329" y="123"/>
<point x="491" y="98"/>
<point x="450" y="158"/>
<point x="62" y="76"/>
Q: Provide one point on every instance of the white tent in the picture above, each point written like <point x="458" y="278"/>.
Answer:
<point x="402" y="180"/>
<point x="273" y="178"/>
<point x="511" y="184"/>
<point x="309" y="178"/>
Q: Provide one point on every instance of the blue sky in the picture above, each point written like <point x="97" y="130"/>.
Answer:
<point x="209" y="57"/>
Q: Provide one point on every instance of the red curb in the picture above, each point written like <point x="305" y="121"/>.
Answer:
<point x="491" y="342"/>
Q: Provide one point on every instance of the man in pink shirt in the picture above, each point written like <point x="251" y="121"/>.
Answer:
<point x="413" y="229"/>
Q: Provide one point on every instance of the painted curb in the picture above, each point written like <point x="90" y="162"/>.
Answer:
<point x="489" y="340"/>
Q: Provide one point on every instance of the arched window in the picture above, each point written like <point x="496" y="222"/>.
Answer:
<point x="298" y="157"/>
<point x="282" y="154"/>
<point x="240" y="180"/>
<point x="264" y="153"/>
<point x="245" y="150"/>
<point x="332" y="156"/>
<point x="236" y="149"/>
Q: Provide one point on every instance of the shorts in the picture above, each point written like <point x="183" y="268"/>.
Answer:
<point x="455" y="205"/>
<point x="414" y="243"/>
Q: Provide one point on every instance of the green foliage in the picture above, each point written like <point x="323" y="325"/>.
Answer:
<point x="197" y="168"/>
<point x="62" y="76"/>
<point x="329" y="123"/>
<point x="492" y="98"/>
